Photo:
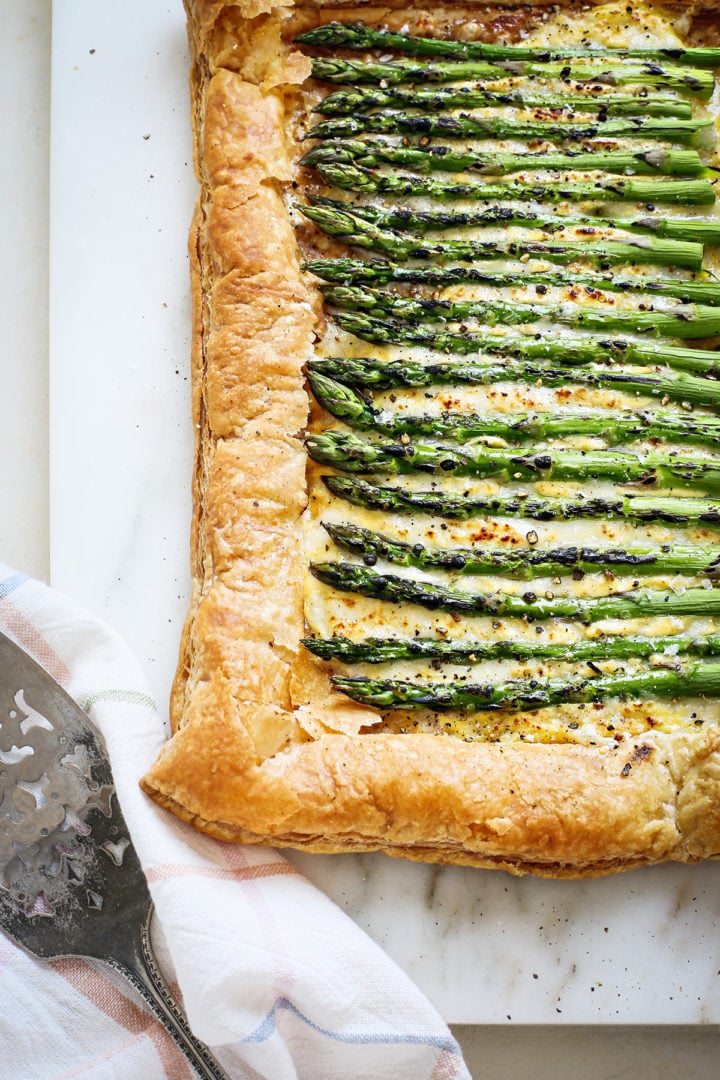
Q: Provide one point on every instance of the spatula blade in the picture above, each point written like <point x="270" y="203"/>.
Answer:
<point x="68" y="869"/>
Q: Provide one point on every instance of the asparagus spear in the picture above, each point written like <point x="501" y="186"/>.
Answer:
<point x="663" y="129"/>
<point x="635" y="604"/>
<point x="696" y="229"/>
<point x="634" y="508"/>
<point x="376" y="650"/>
<point x="569" y="351"/>
<point x="349" y="453"/>
<point x="690" y="321"/>
<point x="699" y="679"/>
<point x="381" y="272"/>
<point x="637" y="250"/>
<point x="360" y="36"/>
<point x="612" y="426"/>
<point x="694" y="82"/>
<point x="427" y="159"/>
<point x="658" y="192"/>
<point x="529" y="563"/>
<point x="385" y="73"/>
<point x="687" y="389"/>
<point x="350" y="102"/>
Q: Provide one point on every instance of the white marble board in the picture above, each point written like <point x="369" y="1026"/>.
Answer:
<point x="485" y="947"/>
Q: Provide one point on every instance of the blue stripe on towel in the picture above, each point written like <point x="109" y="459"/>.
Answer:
<point x="266" y="1028"/>
<point x="10" y="584"/>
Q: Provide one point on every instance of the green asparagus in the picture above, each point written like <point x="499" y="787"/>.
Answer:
<point x="693" y="82"/>
<point x="634" y="508"/>
<point x="381" y="272"/>
<point x="698" y="230"/>
<point x="349" y="453"/>
<point x="530" y="562"/>
<point x="664" y="129"/>
<point x="566" y="352"/>
<point x="398" y="98"/>
<point x="700" y="679"/>
<point x="688" y="390"/>
<point x="360" y="36"/>
<point x="604" y="253"/>
<point x="612" y="426"/>
<point x="690" y="321"/>
<point x="657" y="192"/>
<point x="427" y="159"/>
<point x="634" y="604"/>
<point x="351" y="102"/>
<point x="383" y="650"/>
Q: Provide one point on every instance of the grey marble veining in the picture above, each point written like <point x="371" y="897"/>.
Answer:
<point x="487" y="947"/>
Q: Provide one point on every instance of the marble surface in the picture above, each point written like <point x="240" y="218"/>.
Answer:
<point x="121" y="196"/>
<point x="24" y="211"/>
<point x="488" y="949"/>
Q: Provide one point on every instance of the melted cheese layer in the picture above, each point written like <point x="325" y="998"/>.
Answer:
<point x="330" y="612"/>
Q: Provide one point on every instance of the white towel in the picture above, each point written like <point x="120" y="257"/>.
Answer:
<point x="275" y="978"/>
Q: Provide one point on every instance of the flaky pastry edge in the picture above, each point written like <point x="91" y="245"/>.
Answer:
<point x="234" y="767"/>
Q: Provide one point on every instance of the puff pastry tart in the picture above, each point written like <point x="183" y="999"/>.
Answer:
<point x="457" y="399"/>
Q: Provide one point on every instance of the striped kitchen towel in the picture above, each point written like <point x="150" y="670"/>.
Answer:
<point x="274" y="977"/>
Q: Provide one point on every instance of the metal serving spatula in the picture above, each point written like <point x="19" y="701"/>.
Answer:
<point x="71" y="883"/>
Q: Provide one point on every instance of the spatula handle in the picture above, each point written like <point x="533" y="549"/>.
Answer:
<point x="142" y="971"/>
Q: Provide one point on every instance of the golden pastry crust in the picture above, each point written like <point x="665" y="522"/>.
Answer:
<point x="261" y="752"/>
<point x="560" y="811"/>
